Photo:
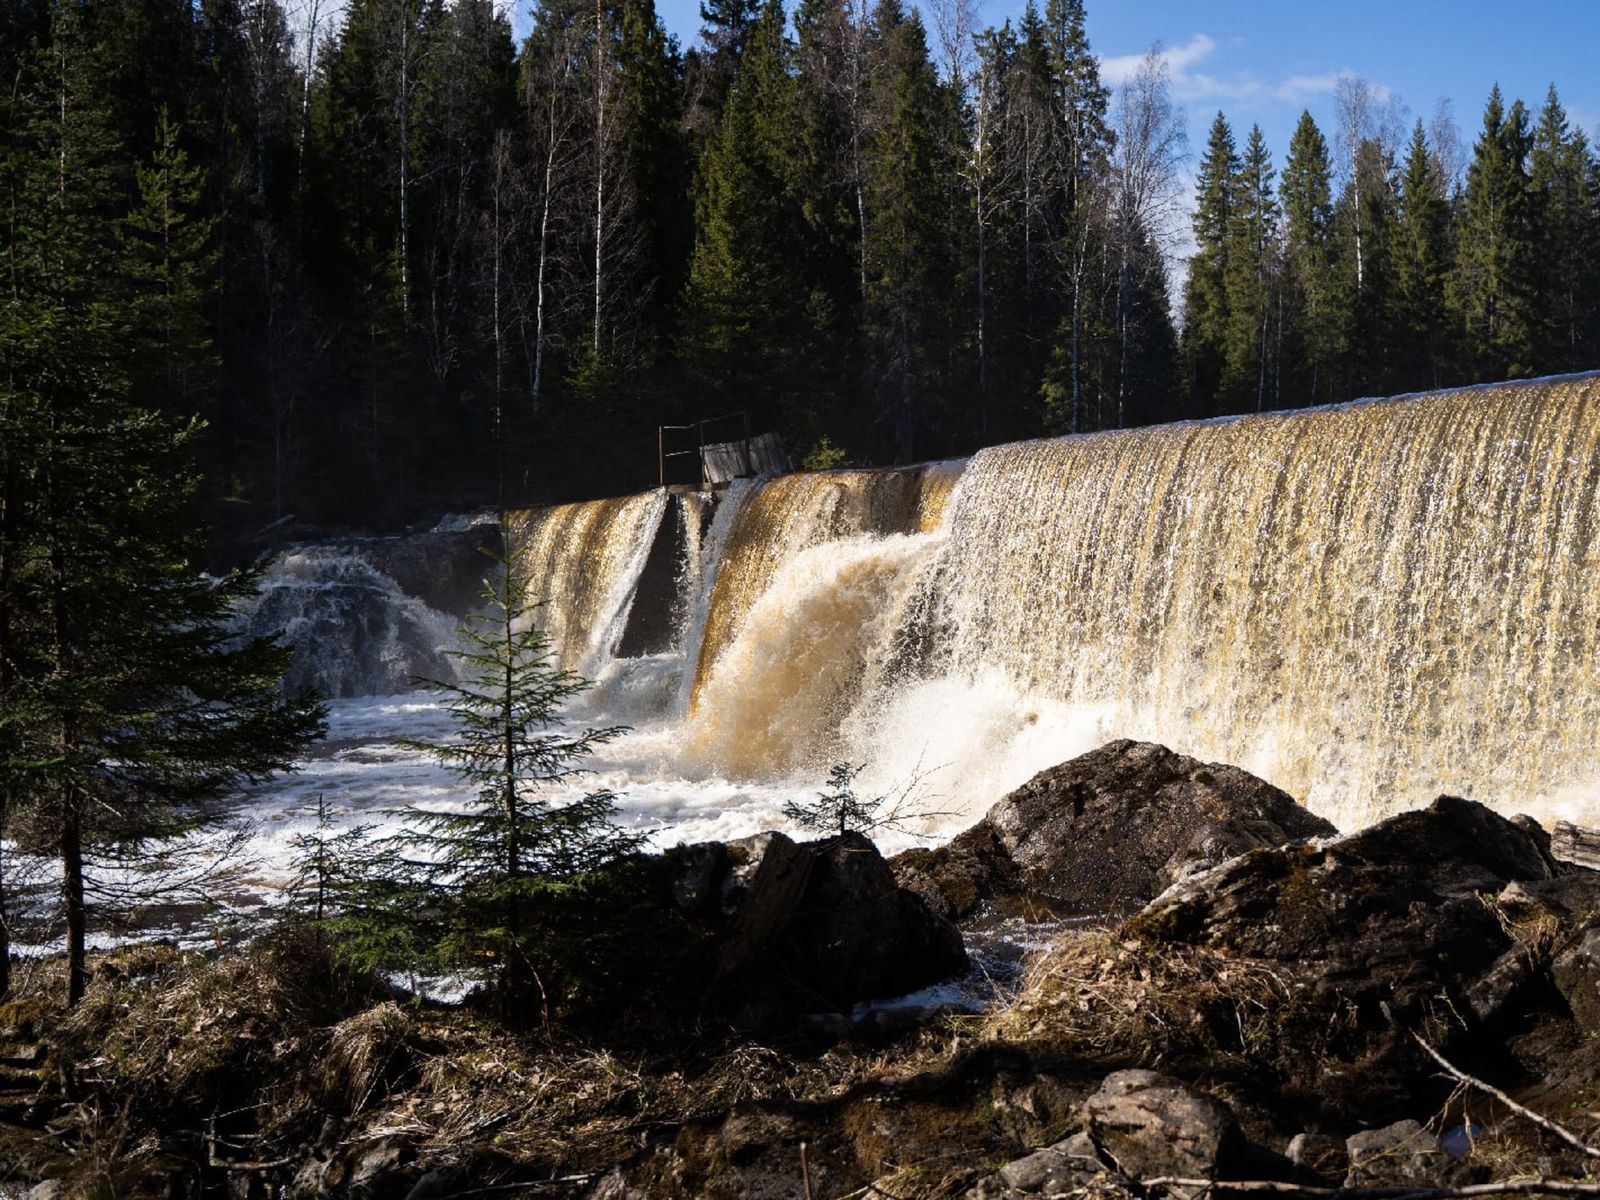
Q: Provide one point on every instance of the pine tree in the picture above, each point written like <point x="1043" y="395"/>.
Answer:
<point x="908" y="275"/>
<point x="1492" y="285"/>
<point x="1317" y="320"/>
<point x="494" y="890"/>
<point x="132" y="713"/>
<point x="1364" y="220"/>
<point x="170" y="261"/>
<point x="726" y="27"/>
<point x="1559" y="165"/>
<point x="658" y="155"/>
<point x="1250" y="373"/>
<point x="1421" y="257"/>
<point x="1205" y="317"/>
<point x="126" y="713"/>
<point x="744" y="281"/>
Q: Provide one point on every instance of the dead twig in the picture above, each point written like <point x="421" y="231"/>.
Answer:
<point x="1528" y="1114"/>
<point x="530" y="1185"/>
<point x="1504" y="1187"/>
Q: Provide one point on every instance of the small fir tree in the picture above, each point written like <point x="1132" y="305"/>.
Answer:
<point x="329" y="869"/>
<point x="839" y="810"/>
<point x="496" y="890"/>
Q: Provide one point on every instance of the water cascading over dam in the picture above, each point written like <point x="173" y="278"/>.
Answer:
<point x="1368" y="604"/>
<point x="583" y="561"/>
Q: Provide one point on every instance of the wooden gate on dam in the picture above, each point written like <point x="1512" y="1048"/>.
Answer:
<point x="721" y="461"/>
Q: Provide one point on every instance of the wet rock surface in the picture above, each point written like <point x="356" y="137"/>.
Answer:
<point x="1107" y="832"/>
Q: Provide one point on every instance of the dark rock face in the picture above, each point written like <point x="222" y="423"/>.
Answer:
<point x="1393" y="914"/>
<point x="787" y="928"/>
<point x="1107" y="832"/>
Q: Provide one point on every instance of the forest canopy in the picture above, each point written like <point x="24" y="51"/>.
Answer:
<point x="398" y="262"/>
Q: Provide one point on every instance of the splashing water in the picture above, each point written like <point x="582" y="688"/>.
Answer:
<point x="1367" y="605"/>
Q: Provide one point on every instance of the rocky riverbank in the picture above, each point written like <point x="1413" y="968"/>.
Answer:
<point x="1252" y="997"/>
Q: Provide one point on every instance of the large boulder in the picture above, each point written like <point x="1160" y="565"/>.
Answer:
<point x="1108" y="832"/>
<point x="783" y="928"/>
<point x="1398" y="914"/>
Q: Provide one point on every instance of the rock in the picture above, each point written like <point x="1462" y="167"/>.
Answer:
<point x="1402" y="1153"/>
<point x="1108" y="831"/>
<point x="1576" y="974"/>
<point x="1058" y="1170"/>
<point x="1150" y="1125"/>
<point x="1576" y="844"/>
<point x="48" y="1189"/>
<point x="378" y="1164"/>
<point x="857" y="935"/>
<point x="781" y="929"/>
<point x="1318" y="1156"/>
<point x="1394" y="914"/>
<point x="955" y="878"/>
<point x="698" y="871"/>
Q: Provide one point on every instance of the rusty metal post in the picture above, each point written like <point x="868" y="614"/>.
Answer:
<point x="661" y="453"/>
<point x="749" y="460"/>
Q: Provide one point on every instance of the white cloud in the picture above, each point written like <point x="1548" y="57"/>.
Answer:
<point x="1190" y="84"/>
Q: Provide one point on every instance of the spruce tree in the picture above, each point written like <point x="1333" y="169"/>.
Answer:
<point x="908" y="273"/>
<point x="1316" y="322"/>
<point x="1250" y="374"/>
<point x="497" y="890"/>
<point x="170" y="260"/>
<point x="1559" y="164"/>
<point x="1363" y="225"/>
<point x="1421" y="258"/>
<point x="1205" y="316"/>
<point x="1491" y="288"/>
<point x="132" y="714"/>
<point x="744" y="278"/>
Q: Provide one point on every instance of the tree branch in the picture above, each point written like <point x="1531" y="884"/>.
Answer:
<point x="1544" y="1123"/>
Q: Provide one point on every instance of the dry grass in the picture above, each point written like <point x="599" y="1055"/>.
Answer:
<point x="1102" y="993"/>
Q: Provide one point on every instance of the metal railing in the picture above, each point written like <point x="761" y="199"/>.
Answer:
<point x="699" y="428"/>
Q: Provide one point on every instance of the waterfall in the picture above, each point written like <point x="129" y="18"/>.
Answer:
<point x="1366" y="604"/>
<point x="583" y="563"/>
<point x="809" y="647"/>
<point x="782" y="517"/>
<point x="355" y="630"/>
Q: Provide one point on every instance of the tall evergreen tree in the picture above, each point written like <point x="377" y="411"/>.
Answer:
<point x="1492" y="286"/>
<point x="1205" y="303"/>
<point x="1316" y="324"/>
<point x="744" y="286"/>
<point x="908" y="277"/>
<point x="1364" y="219"/>
<point x="1567" y="223"/>
<point x="170" y="262"/>
<point x="1421" y="258"/>
<point x="1251" y="375"/>
<point x="496" y="889"/>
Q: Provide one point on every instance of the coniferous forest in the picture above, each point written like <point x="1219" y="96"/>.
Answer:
<point x="396" y="261"/>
